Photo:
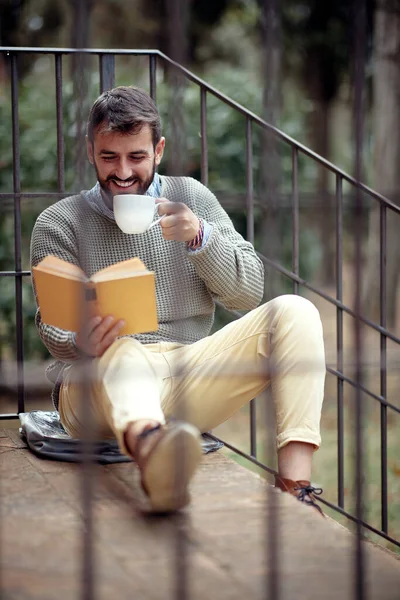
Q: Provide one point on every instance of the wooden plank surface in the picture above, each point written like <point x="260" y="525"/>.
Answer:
<point x="224" y="534"/>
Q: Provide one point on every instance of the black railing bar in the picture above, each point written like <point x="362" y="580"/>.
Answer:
<point x="379" y="399"/>
<point x="284" y="199"/>
<point x="249" y="182"/>
<point x="9" y="416"/>
<point x="360" y="463"/>
<point x="153" y="76"/>
<point x="253" y="428"/>
<point x="195" y="79"/>
<point x="363" y="523"/>
<point x="203" y="136"/>
<point x="235" y="313"/>
<point x="295" y="218"/>
<point x="252" y="459"/>
<point x="59" y="118"/>
<point x="250" y="237"/>
<point x="339" y="337"/>
<point x="15" y="273"/>
<point x="11" y="195"/>
<point x="17" y="233"/>
<point x="320" y="498"/>
<point x="54" y="50"/>
<point x="383" y="366"/>
<point x="107" y="72"/>
<point x="337" y="303"/>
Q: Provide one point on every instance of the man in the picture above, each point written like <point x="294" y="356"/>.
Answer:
<point x="140" y="383"/>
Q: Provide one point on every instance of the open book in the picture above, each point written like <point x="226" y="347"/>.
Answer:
<point x="125" y="290"/>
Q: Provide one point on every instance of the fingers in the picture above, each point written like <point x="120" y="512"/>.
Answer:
<point x="109" y="336"/>
<point x="160" y="200"/>
<point x="166" y="207"/>
<point x="178" y="222"/>
<point x="99" y="334"/>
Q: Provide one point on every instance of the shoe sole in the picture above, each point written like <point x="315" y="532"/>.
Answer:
<point x="170" y="468"/>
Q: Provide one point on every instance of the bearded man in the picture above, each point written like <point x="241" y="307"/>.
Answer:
<point x="141" y="383"/>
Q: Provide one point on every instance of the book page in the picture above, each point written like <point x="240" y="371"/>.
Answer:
<point x="130" y="298"/>
<point x="52" y="264"/>
<point x="126" y="268"/>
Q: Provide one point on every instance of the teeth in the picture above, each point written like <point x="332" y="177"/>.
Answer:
<point x="125" y="184"/>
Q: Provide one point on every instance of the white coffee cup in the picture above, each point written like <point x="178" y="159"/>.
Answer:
<point x="135" y="213"/>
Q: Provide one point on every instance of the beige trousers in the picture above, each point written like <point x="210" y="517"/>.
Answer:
<point x="279" y="343"/>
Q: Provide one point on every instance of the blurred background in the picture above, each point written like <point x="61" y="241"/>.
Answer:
<point x="290" y="62"/>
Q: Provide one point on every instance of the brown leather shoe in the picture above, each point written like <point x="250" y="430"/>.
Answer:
<point x="302" y="490"/>
<point x="169" y="465"/>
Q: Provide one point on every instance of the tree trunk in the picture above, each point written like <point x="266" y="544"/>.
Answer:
<point x="320" y="136"/>
<point x="386" y="123"/>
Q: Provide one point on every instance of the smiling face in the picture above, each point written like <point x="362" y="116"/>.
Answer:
<point x="125" y="163"/>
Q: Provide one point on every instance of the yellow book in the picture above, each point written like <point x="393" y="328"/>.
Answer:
<point x="125" y="290"/>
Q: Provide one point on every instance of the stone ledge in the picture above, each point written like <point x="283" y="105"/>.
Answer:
<point x="224" y="537"/>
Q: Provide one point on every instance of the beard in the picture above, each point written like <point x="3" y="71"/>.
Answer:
<point x="141" y="185"/>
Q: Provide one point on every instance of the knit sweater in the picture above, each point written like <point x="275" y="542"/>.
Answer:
<point x="226" y="269"/>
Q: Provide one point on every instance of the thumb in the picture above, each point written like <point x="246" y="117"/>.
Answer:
<point x="159" y="200"/>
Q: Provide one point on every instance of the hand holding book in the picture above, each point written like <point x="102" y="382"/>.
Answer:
<point x="98" y="334"/>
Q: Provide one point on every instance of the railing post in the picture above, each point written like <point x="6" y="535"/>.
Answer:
<point x="339" y="336"/>
<point x="359" y="24"/>
<point x="383" y="366"/>
<point x="203" y="134"/>
<point x="17" y="232"/>
<point x="107" y="72"/>
<point x="295" y="217"/>
<point x="60" y="135"/>
<point x="250" y="237"/>
<point x="153" y="76"/>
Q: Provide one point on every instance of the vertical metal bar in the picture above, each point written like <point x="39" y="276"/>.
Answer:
<point x="295" y="217"/>
<point x="177" y="11"/>
<point x="250" y="237"/>
<point x="153" y="76"/>
<point x="271" y="35"/>
<point x="60" y="135"/>
<point x="383" y="366"/>
<point x="249" y="181"/>
<point x="107" y="72"/>
<point x="81" y="10"/>
<point x="339" y="336"/>
<point x="203" y="134"/>
<point x="359" y="21"/>
<point x="17" y="232"/>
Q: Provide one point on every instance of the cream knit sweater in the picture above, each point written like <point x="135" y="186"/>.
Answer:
<point x="226" y="269"/>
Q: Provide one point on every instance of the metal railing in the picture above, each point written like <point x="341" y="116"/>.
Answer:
<point x="156" y="60"/>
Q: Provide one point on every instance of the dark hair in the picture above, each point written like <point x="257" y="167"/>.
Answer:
<point x="125" y="109"/>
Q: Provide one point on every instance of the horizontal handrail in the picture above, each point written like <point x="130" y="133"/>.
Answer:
<point x="328" y="298"/>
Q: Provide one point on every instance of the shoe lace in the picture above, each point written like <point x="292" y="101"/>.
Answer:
<point x="306" y="493"/>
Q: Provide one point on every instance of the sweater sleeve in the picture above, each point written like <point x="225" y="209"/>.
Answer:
<point x="227" y="263"/>
<point x="51" y="236"/>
